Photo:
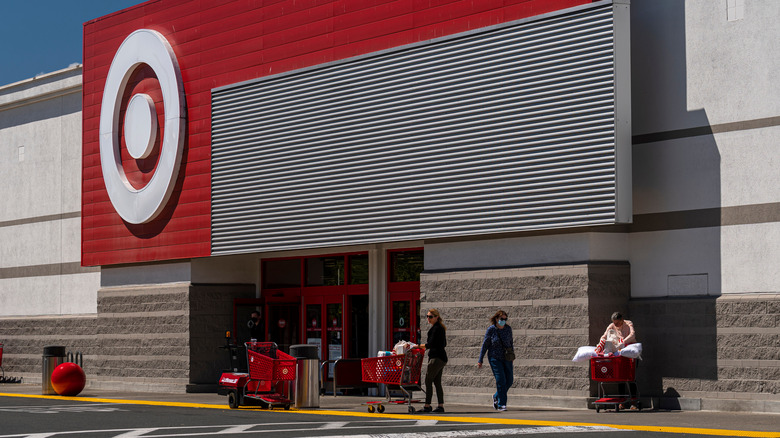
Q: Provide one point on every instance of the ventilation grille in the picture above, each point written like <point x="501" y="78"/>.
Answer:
<point x="507" y="129"/>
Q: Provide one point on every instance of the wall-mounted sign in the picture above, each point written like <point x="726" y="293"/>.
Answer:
<point x="142" y="47"/>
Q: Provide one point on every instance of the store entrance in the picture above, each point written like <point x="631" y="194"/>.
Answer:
<point x="323" y="300"/>
<point x="283" y="322"/>
<point x="333" y="302"/>
<point x="358" y="326"/>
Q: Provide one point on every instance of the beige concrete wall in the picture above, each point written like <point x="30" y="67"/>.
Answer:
<point x="143" y="338"/>
<point x="40" y="222"/>
<point x="720" y="352"/>
<point x="552" y="310"/>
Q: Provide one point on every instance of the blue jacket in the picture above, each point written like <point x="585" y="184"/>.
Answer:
<point x="493" y="346"/>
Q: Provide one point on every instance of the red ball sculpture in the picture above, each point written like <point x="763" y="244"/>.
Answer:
<point x="68" y="379"/>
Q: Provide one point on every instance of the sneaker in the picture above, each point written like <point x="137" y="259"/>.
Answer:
<point x="495" y="402"/>
<point x="502" y="408"/>
<point x="439" y="410"/>
<point x="427" y="409"/>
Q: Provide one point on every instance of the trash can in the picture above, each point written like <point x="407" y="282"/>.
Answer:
<point x="307" y="379"/>
<point x="52" y="357"/>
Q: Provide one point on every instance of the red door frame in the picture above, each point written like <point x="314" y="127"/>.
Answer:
<point x="402" y="291"/>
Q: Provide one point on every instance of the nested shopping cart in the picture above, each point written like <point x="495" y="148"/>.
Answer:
<point x="402" y="370"/>
<point x="267" y="367"/>
<point x="615" y="373"/>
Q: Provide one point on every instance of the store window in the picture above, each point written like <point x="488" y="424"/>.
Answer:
<point x="279" y="274"/>
<point x="325" y="271"/>
<point x="358" y="269"/>
<point x="406" y="266"/>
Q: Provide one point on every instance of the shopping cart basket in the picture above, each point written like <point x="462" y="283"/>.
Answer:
<point x="402" y="370"/>
<point x="618" y="373"/>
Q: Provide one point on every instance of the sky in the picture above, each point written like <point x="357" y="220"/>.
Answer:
<point x="42" y="36"/>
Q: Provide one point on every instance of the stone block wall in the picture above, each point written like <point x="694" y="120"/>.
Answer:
<point x="143" y="338"/>
<point x="210" y="315"/>
<point x="552" y="310"/>
<point x="723" y="352"/>
<point x="25" y="337"/>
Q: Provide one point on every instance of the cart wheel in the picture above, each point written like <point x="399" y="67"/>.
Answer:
<point x="411" y="409"/>
<point x="617" y="407"/>
<point x="370" y="409"/>
<point x="232" y="399"/>
<point x="598" y="409"/>
<point x="638" y="406"/>
<point x="287" y="407"/>
<point x="380" y="408"/>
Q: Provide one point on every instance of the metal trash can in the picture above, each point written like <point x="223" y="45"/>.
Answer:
<point x="307" y="379"/>
<point x="52" y="357"/>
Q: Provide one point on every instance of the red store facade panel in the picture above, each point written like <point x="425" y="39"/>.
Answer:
<point x="215" y="44"/>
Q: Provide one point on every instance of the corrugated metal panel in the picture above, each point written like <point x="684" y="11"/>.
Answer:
<point x="508" y="129"/>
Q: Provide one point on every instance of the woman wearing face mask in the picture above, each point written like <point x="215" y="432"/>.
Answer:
<point x="498" y="338"/>
<point x="437" y="359"/>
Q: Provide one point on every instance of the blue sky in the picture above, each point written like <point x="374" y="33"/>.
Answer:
<point x="42" y="36"/>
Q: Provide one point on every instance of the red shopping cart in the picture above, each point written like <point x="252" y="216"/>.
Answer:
<point x="615" y="373"/>
<point x="267" y="368"/>
<point x="402" y="370"/>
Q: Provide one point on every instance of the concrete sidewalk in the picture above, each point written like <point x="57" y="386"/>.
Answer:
<point x="351" y="405"/>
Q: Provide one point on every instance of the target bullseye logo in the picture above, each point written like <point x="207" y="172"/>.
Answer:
<point x="604" y="370"/>
<point x="150" y="48"/>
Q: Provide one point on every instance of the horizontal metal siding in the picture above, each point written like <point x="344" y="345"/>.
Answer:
<point x="508" y="129"/>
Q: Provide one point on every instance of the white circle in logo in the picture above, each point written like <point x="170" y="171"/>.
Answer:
<point x="604" y="370"/>
<point x="140" y="126"/>
<point x="144" y="46"/>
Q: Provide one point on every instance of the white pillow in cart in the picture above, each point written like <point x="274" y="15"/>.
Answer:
<point x="584" y="353"/>
<point x="632" y="351"/>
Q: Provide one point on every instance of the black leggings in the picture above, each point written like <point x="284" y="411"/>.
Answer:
<point x="433" y="376"/>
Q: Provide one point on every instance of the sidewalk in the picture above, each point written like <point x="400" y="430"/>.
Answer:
<point x="351" y="405"/>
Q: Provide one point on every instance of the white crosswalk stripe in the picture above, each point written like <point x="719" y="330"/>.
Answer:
<point x="308" y="429"/>
<point x="488" y="432"/>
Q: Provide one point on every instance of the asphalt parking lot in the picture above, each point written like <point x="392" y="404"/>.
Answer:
<point x="25" y="413"/>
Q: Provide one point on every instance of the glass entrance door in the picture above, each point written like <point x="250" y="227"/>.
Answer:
<point x="404" y="318"/>
<point x="314" y="326"/>
<point x="283" y="323"/>
<point x="335" y="332"/>
<point x="357" y="327"/>
<point x="325" y="325"/>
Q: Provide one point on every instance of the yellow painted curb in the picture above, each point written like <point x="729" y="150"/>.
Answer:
<point x="506" y="421"/>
